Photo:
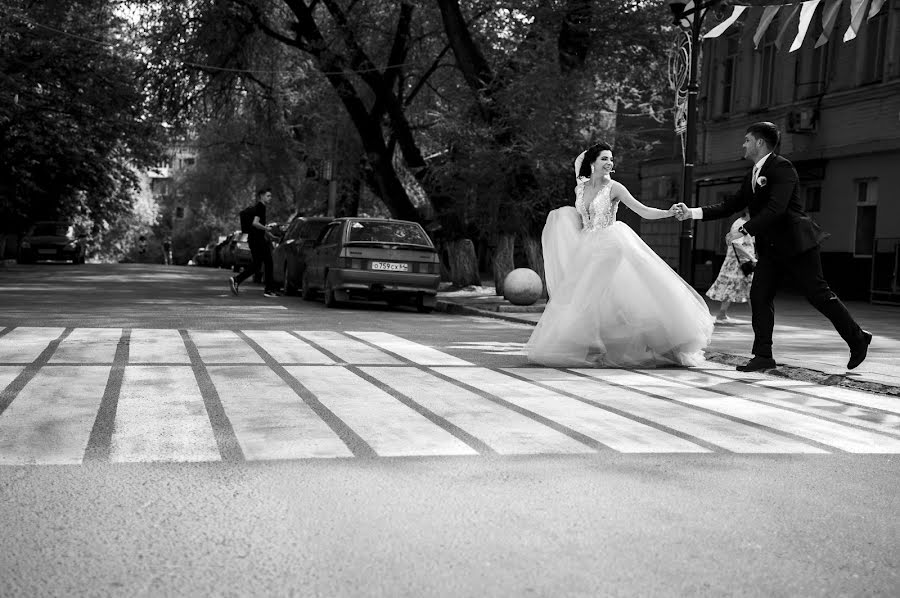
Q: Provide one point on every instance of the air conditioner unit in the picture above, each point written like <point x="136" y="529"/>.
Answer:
<point x="802" y="120"/>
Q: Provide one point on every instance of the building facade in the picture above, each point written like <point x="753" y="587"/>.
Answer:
<point x="838" y="107"/>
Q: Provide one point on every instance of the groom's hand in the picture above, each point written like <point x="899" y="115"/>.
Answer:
<point x="682" y="212"/>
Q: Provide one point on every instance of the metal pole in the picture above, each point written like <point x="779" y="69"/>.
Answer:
<point x="685" y="256"/>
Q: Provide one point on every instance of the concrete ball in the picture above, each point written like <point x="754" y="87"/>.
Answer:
<point x="522" y="286"/>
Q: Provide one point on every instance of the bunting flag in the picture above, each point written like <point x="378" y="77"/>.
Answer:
<point x="829" y="18"/>
<point x="857" y="12"/>
<point x="806" y="11"/>
<point x="721" y="27"/>
<point x="766" y="20"/>
<point x="806" y="15"/>
<point x="779" y="41"/>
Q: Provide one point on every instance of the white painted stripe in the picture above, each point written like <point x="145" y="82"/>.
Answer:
<point x="615" y="431"/>
<point x="269" y="419"/>
<point x="8" y="373"/>
<point x="223" y="346"/>
<point x="287" y="348"/>
<point x="415" y="352"/>
<point x="24" y="345"/>
<point x="50" y="420"/>
<point x="88" y="345"/>
<point x="504" y="430"/>
<point x="780" y="397"/>
<point x="728" y="434"/>
<point x="824" y="432"/>
<point x="347" y="349"/>
<point x="161" y="417"/>
<point x="387" y="425"/>
<point x="837" y="393"/>
<point x="157" y="346"/>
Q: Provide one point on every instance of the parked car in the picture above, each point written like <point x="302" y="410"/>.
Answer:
<point x="207" y="255"/>
<point x="290" y="254"/>
<point x="51" y="240"/>
<point x="224" y="257"/>
<point x="373" y="259"/>
<point x="198" y="257"/>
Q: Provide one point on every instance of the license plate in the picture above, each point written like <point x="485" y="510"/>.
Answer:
<point x="47" y="251"/>
<point x="390" y="266"/>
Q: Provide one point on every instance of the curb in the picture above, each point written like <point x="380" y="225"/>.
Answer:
<point x="782" y="371"/>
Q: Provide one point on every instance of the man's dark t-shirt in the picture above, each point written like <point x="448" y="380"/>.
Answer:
<point x="257" y="236"/>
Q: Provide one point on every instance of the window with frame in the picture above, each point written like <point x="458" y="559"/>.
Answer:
<point x="179" y="212"/>
<point x="767" y="66"/>
<point x="729" y="74"/>
<point x="331" y="235"/>
<point x="866" y="212"/>
<point x="875" y="34"/>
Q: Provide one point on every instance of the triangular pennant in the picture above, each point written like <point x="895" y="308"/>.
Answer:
<point x="768" y="14"/>
<point x="829" y="18"/>
<point x="876" y="6"/>
<point x="857" y="12"/>
<point x="721" y="27"/>
<point x="806" y="15"/>
<point x="784" y="26"/>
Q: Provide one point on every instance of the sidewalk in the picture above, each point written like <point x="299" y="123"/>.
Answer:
<point x="806" y="346"/>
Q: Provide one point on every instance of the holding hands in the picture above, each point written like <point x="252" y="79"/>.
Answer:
<point x="680" y="211"/>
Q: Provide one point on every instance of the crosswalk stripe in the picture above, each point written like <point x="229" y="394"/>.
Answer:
<point x="223" y="346"/>
<point x="720" y="431"/>
<point x="615" y="431"/>
<point x="161" y="416"/>
<point x="157" y="346"/>
<point x="384" y="423"/>
<point x="284" y="347"/>
<point x="414" y="352"/>
<point x="782" y="398"/>
<point x="25" y="344"/>
<point x="50" y="420"/>
<point x="347" y="349"/>
<point x="269" y="420"/>
<point x="503" y="430"/>
<point x="8" y="373"/>
<point x="836" y="393"/>
<point x="88" y="345"/>
<point x="823" y="432"/>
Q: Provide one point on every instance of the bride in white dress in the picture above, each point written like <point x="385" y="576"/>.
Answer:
<point x="613" y="301"/>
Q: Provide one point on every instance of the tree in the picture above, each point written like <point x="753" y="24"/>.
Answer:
<point x="73" y="122"/>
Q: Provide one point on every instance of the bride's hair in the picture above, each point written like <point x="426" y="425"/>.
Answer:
<point x="590" y="155"/>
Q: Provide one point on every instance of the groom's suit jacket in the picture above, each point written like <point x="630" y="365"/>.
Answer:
<point x="777" y="218"/>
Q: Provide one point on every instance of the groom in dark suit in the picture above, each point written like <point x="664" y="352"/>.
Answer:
<point x="787" y="241"/>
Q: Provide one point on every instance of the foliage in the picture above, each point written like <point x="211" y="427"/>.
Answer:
<point x="73" y="122"/>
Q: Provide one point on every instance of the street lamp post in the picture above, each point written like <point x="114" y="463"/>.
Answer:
<point x="689" y="17"/>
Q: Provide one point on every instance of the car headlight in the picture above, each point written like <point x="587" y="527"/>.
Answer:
<point x="71" y="246"/>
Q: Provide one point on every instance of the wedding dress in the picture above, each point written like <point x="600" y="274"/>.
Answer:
<point x="613" y="301"/>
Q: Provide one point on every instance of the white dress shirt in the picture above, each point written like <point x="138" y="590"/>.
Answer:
<point x="697" y="213"/>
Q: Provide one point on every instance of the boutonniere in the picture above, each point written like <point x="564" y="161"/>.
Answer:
<point x="761" y="181"/>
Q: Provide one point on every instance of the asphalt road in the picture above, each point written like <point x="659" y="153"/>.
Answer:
<point x="603" y="523"/>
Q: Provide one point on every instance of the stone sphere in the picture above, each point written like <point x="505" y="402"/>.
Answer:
<point x="522" y="286"/>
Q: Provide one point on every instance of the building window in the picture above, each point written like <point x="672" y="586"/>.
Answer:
<point x="189" y="161"/>
<point x="767" y="66"/>
<point x="875" y="33"/>
<point x="813" y="199"/>
<point x="179" y="212"/>
<point x="866" y="209"/>
<point x="729" y="74"/>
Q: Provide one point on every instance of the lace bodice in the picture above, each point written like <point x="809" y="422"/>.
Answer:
<point x="602" y="210"/>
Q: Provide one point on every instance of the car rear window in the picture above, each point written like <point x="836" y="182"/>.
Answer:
<point x="58" y="229"/>
<point x="388" y="232"/>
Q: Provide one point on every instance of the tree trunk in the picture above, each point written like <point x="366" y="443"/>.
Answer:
<point x="535" y="256"/>
<point x="502" y="260"/>
<point x="463" y="263"/>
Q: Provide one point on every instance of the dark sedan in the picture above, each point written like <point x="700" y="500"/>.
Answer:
<point x="52" y="241"/>
<point x="290" y="254"/>
<point x="376" y="259"/>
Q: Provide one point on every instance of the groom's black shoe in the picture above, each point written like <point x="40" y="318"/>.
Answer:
<point x="756" y="364"/>
<point x="859" y="349"/>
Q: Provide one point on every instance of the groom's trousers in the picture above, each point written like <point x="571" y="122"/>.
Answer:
<point x="805" y="272"/>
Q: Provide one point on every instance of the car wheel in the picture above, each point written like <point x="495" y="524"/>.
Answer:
<point x="330" y="299"/>
<point x="307" y="291"/>
<point x="289" y="289"/>
<point x="422" y="307"/>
